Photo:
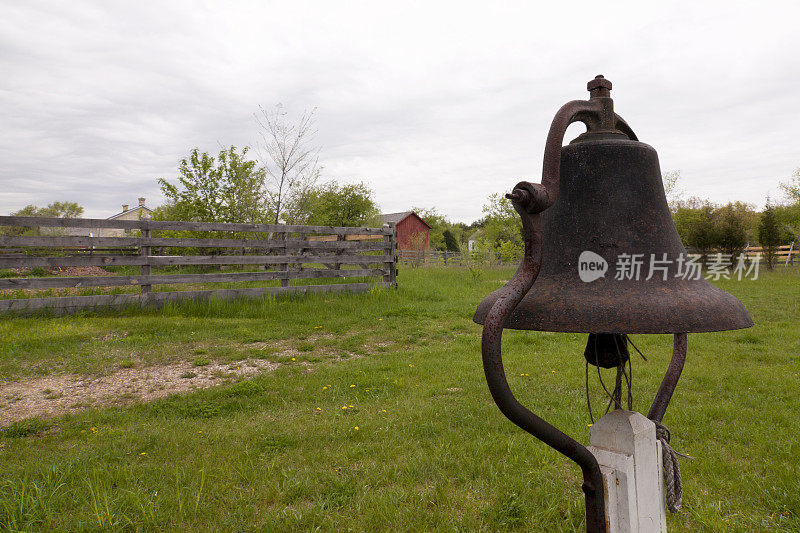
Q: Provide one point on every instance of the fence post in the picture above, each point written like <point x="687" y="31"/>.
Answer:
<point x="144" y="251"/>
<point x="390" y="267"/>
<point x="284" y="266"/>
<point x="338" y="266"/>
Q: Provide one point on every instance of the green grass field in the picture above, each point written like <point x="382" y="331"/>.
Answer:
<point x="383" y="421"/>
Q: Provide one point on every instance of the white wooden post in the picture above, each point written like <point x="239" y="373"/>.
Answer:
<point x="625" y="445"/>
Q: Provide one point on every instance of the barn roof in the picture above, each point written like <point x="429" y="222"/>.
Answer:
<point x="396" y="218"/>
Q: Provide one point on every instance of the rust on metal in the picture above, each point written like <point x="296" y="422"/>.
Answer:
<point x="664" y="394"/>
<point x="602" y="192"/>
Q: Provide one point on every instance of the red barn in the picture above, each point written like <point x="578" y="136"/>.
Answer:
<point x="413" y="233"/>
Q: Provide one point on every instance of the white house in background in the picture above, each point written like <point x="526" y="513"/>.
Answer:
<point x="474" y="239"/>
<point x="126" y="214"/>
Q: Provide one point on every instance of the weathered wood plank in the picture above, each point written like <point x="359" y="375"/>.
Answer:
<point x="120" y="242"/>
<point x="266" y="259"/>
<point x="49" y="222"/>
<point x="144" y="251"/>
<point x="167" y="260"/>
<point x="80" y="261"/>
<point x="72" y="303"/>
<point x="167" y="279"/>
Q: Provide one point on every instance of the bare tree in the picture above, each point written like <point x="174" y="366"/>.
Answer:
<point x="290" y="159"/>
<point x="672" y="190"/>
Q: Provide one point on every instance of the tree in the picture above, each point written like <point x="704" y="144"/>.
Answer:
<point x="450" y="242"/>
<point x="229" y="188"/>
<point x="502" y="223"/>
<point x="333" y="204"/>
<point x="502" y="229"/>
<point x="438" y="224"/>
<point x="242" y="188"/>
<point x="788" y="215"/>
<point x="54" y="209"/>
<point x="731" y="221"/>
<point x="290" y="160"/>
<point x="769" y="235"/>
<point x="673" y="193"/>
<point x="791" y="188"/>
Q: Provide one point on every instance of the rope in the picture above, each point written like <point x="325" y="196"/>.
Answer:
<point x="672" y="472"/>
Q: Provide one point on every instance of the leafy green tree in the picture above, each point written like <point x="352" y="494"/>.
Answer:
<point x="769" y="234"/>
<point x="229" y="188"/>
<point x="450" y="242"/>
<point x="706" y="227"/>
<point x="334" y="204"/>
<point x="732" y="221"/>
<point x="438" y="224"/>
<point x="54" y="209"/>
<point x="502" y="230"/>
<point x="502" y="223"/>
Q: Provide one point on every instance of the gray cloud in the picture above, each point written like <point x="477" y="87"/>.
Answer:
<point x="432" y="104"/>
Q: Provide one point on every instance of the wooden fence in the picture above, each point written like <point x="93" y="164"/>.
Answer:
<point x="284" y="252"/>
<point x="786" y="254"/>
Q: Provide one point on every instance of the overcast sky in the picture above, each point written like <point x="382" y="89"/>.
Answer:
<point x="431" y="104"/>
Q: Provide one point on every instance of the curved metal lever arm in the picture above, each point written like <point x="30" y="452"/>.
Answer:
<point x="664" y="394"/>
<point x="530" y="200"/>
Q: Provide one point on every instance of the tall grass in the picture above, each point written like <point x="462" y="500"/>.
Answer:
<point x="399" y="435"/>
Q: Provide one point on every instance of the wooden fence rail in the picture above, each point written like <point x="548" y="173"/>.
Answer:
<point x="284" y="252"/>
<point x="785" y="254"/>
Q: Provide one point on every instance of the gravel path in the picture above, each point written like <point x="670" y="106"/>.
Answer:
<point x="57" y="395"/>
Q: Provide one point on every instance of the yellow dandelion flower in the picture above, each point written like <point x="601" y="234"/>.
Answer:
<point x="351" y="386"/>
<point x="350" y="406"/>
<point x="411" y="365"/>
<point x="143" y="453"/>
<point x="383" y="410"/>
<point x="293" y="359"/>
<point x="380" y="319"/>
<point x="553" y="371"/>
<point x="356" y="428"/>
<point x="589" y="425"/>
<point x="319" y="409"/>
<point x="324" y="388"/>
<point x="344" y="407"/>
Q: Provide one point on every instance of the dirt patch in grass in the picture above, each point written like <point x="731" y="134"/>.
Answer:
<point x="57" y="395"/>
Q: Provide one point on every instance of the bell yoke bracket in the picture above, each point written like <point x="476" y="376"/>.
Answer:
<point x="530" y="200"/>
